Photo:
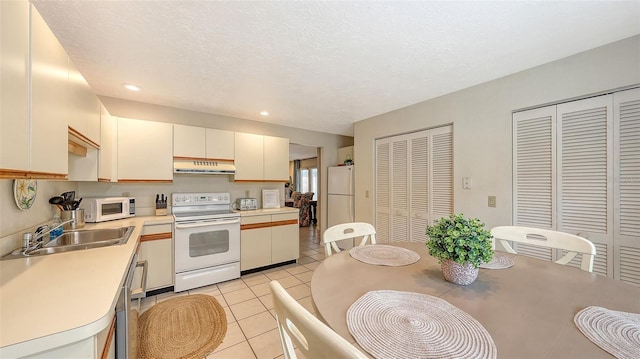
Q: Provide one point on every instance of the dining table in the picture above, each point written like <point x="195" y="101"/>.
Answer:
<point x="528" y="309"/>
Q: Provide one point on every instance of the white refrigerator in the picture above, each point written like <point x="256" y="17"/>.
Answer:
<point x="340" y="194"/>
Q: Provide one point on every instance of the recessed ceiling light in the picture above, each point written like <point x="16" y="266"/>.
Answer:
<point x="264" y="113"/>
<point x="131" y="87"/>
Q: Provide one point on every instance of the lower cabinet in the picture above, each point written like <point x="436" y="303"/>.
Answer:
<point x="268" y="239"/>
<point x="101" y="345"/>
<point x="157" y="249"/>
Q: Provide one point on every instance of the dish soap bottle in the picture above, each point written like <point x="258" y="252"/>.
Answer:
<point x="56" y="231"/>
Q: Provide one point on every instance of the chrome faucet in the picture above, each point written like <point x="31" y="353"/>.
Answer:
<point x="36" y="241"/>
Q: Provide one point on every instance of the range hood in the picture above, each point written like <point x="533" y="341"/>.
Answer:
<point x="203" y="167"/>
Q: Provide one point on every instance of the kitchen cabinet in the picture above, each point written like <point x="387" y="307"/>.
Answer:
<point x="108" y="155"/>
<point x="101" y="345"/>
<point x="157" y="249"/>
<point x="49" y="61"/>
<point x="267" y="239"/>
<point x="145" y="151"/>
<point x="261" y="158"/>
<point x="34" y="78"/>
<point x="84" y="108"/>
<point x="203" y="143"/>
<point x="97" y="164"/>
<point x="14" y="75"/>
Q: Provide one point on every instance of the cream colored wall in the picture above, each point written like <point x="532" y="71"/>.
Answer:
<point x="481" y="118"/>
<point x="13" y="221"/>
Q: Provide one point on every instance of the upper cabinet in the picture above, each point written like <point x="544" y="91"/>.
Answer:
<point x="108" y="155"/>
<point x="145" y="151"/>
<point x="202" y="143"/>
<point x="42" y="95"/>
<point x="92" y="164"/>
<point x="84" y="109"/>
<point x="49" y="78"/>
<point x="261" y="158"/>
<point x="14" y="75"/>
<point x="34" y="71"/>
<point x="276" y="158"/>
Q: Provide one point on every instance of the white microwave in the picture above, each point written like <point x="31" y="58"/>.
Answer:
<point x="101" y="209"/>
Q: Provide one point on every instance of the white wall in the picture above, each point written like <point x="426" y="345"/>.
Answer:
<point x="481" y="118"/>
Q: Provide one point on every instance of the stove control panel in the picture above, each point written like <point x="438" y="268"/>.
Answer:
<point x="200" y="199"/>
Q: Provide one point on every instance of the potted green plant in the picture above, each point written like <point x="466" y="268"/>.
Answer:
<point x="461" y="245"/>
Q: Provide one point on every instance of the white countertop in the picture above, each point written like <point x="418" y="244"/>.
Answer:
<point x="263" y="211"/>
<point x="52" y="300"/>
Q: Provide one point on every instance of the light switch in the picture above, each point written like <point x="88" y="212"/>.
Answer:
<point x="492" y="201"/>
<point x="366" y="194"/>
<point x="466" y="182"/>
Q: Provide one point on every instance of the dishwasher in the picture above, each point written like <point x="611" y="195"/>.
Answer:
<point x="126" y="316"/>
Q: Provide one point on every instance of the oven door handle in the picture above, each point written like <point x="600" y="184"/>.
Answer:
<point x="206" y="224"/>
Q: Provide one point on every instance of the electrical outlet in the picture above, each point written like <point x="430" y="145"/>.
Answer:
<point x="492" y="201"/>
<point x="247" y="193"/>
<point x="466" y="182"/>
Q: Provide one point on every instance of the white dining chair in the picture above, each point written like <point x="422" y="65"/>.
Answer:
<point x="347" y="231"/>
<point x="298" y="328"/>
<point x="547" y="238"/>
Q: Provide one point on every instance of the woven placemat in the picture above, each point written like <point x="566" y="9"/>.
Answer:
<point x="616" y="332"/>
<point x="189" y="326"/>
<point x="392" y="324"/>
<point x="499" y="261"/>
<point x="383" y="255"/>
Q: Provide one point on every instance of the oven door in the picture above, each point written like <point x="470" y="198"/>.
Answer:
<point x="206" y="243"/>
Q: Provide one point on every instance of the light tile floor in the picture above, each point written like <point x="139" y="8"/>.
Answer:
<point x="251" y="323"/>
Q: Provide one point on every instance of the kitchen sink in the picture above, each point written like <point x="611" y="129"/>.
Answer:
<point x="89" y="237"/>
<point x="78" y="240"/>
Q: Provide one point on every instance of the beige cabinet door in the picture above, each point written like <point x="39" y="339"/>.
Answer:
<point x="188" y="141"/>
<point x="145" y="151"/>
<point x="285" y="245"/>
<point x="220" y="144"/>
<point x="156" y="248"/>
<point x="255" y="248"/>
<point x="249" y="157"/>
<point x="83" y="107"/>
<point x="14" y="75"/>
<point x="107" y="157"/>
<point x="276" y="158"/>
<point x="49" y="77"/>
<point x="159" y="257"/>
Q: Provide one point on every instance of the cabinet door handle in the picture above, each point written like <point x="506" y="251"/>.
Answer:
<point x="142" y="291"/>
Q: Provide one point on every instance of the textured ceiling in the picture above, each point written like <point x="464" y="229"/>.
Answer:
<point x="320" y="65"/>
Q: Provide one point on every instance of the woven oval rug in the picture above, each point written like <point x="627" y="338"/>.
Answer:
<point x="614" y="331"/>
<point x="393" y="324"/>
<point x="189" y="326"/>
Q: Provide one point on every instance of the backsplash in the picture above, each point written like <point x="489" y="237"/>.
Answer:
<point x="13" y="222"/>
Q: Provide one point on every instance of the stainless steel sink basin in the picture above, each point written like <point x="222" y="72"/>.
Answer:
<point x="78" y="240"/>
<point x="88" y="237"/>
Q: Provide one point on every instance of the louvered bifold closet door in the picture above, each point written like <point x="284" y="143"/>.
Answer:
<point x="627" y="186"/>
<point x="419" y="187"/>
<point x="534" y="173"/>
<point x="441" y="184"/>
<point x="399" y="190"/>
<point x="383" y="193"/>
<point x="585" y="158"/>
